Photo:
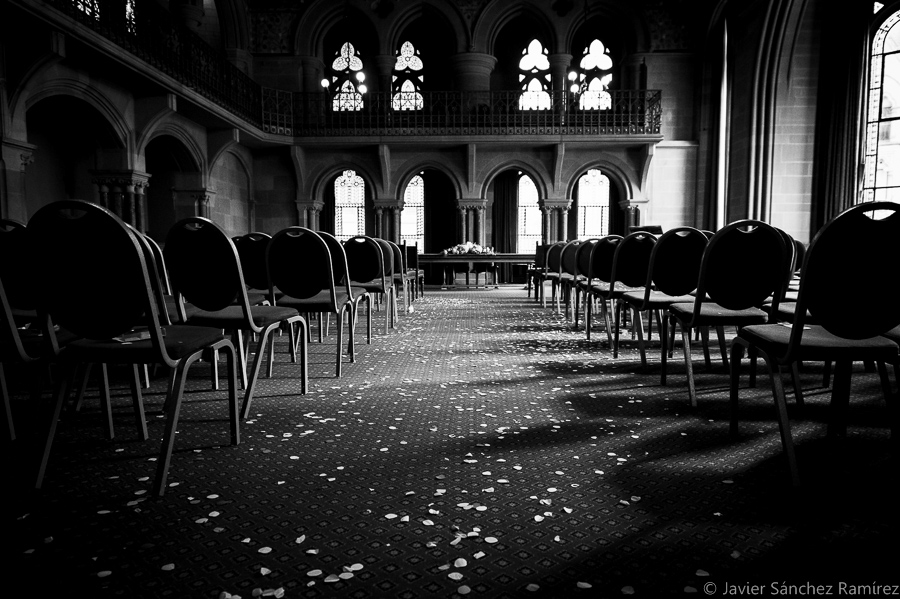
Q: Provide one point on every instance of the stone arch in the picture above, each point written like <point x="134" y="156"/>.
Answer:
<point x="234" y="190"/>
<point x="540" y="182"/>
<point x="498" y="15"/>
<point x="173" y="129"/>
<point x="628" y="27"/>
<point x="317" y="24"/>
<point x="178" y="179"/>
<point x="408" y="15"/>
<point x="37" y="90"/>
<point x="233" y="23"/>
<point x="407" y="174"/>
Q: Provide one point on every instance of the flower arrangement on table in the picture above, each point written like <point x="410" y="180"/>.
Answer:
<point x="468" y="248"/>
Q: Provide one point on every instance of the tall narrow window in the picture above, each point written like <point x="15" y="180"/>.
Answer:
<point x="412" y="218"/>
<point x="529" y="216"/>
<point x="593" y="205"/>
<point x="349" y="206"/>
<point x="347" y="79"/>
<point x="592" y="78"/>
<point x="534" y="77"/>
<point x="407" y="79"/>
<point x="882" y="166"/>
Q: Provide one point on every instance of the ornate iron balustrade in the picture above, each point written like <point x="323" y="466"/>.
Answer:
<point x="150" y="33"/>
<point x="632" y="112"/>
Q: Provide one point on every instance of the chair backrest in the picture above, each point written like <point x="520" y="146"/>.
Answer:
<point x="16" y="268"/>
<point x="567" y="263"/>
<point x="252" y="251"/>
<point x="92" y="274"/>
<point x="204" y="267"/>
<point x="540" y="254"/>
<point x="364" y="260"/>
<point x="399" y="258"/>
<point x="800" y="255"/>
<point x="412" y="255"/>
<point x="852" y="247"/>
<point x="583" y="257"/>
<point x="554" y="256"/>
<point x="387" y="254"/>
<point x="602" y="256"/>
<point x="339" y="267"/>
<point x="675" y="261"/>
<point x="632" y="259"/>
<point x="742" y="266"/>
<point x="299" y="263"/>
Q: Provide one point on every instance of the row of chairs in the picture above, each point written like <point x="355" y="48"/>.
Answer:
<point x="783" y="301"/>
<point x="80" y="287"/>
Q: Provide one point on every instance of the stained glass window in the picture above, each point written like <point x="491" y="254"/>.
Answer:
<point x="593" y="205"/>
<point x="529" y="216"/>
<point x="347" y="78"/>
<point x="591" y="80"/>
<point x="881" y="180"/>
<point x="349" y="205"/>
<point x="407" y="79"/>
<point x="412" y="218"/>
<point x="534" y="77"/>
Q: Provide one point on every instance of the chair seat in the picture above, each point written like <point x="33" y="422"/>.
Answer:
<point x="374" y="286"/>
<point x="603" y="289"/>
<point x="656" y="300"/>
<point x="321" y="302"/>
<point x="180" y="341"/>
<point x="817" y="344"/>
<point x="712" y="314"/>
<point x="894" y="334"/>
<point x="232" y="316"/>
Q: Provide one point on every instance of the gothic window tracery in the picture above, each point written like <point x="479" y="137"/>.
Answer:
<point x="534" y="77"/>
<point x="347" y="78"/>
<point x="407" y="79"/>
<point x="349" y="205"/>
<point x="412" y="218"/>
<point x="593" y="205"/>
<point x="881" y="181"/>
<point x="529" y="216"/>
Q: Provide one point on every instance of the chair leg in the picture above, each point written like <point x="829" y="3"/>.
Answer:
<point x="253" y="375"/>
<point x="270" y="366"/>
<point x="798" y="390"/>
<point x="351" y="333"/>
<point x="604" y="309"/>
<point x="640" y="335"/>
<point x="720" y="333"/>
<point x="689" y="368"/>
<point x="784" y="425"/>
<point x="737" y="352"/>
<point x="340" y="342"/>
<point x="704" y="335"/>
<point x="138" y="401"/>
<point x="588" y="313"/>
<point x="664" y="349"/>
<point x="7" y="409"/>
<point x="105" y="401"/>
<point x="840" y="398"/>
<point x="66" y="379"/>
<point x="618" y="307"/>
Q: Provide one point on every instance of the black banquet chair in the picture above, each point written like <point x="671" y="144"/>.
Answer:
<point x="205" y="270"/>
<point x="95" y="281"/>
<point x="846" y="249"/>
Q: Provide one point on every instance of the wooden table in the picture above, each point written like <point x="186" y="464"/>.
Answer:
<point x="490" y="262"/>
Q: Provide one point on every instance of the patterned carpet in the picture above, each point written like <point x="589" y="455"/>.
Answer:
<point x="482" y="448"/>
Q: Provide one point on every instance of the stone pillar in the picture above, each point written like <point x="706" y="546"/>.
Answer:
<point x="395" y="237"/>
<point x="203" y="198"/>
<point x="559" y="70"/>
<point x="472" y="71"/>
<point x="563" y="224"/>
<point x="381" y="80"/>
<point x="122" y="192"/>
<point x="478" y="236"/>
<point x="379" y="217"/>
<point x="546" y="231"/>
<point x="462" y="228"/>
<point x="312" y="70"/>
<point x="16" y="157"/>
<point x="140" y="200"/>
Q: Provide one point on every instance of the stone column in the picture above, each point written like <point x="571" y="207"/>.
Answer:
<point x="563" y="224"/>
<point x="462" y="228"/>
<point x="379" y="222"/>
<point x="140" y="200"/>
<point x="312" y="70"/>
<point x="16" y="157"/>
<point x="381" y="80"/>
<point x="477" y="236"/>
<point x="203" y="198"/>
<point x="395" y="237"/>
<point x="559" y="70"/>
<point x="472" y="71"/>
<point x="546" y="231"/>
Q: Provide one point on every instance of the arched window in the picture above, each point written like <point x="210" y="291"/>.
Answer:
<point x="412" y="218"/>
<point x="347" y="78"/>
<point x="534" y="77"/>
<point x="529" y="216"/>
<point x="349" y="206"/>
<point x="591" y="79"/>
<point x="407" y="79"/>
<point x="593" y="205"/>
<point x="882" y="166"/>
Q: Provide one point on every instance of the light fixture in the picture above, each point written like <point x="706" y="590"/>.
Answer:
<point x="360" y="76"/>
<point x="362" y="88"/>
<point x="325" y="83"/>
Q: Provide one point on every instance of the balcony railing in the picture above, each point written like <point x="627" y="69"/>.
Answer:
<point x="632" y="112"/>
<point x="148" y="32"/>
